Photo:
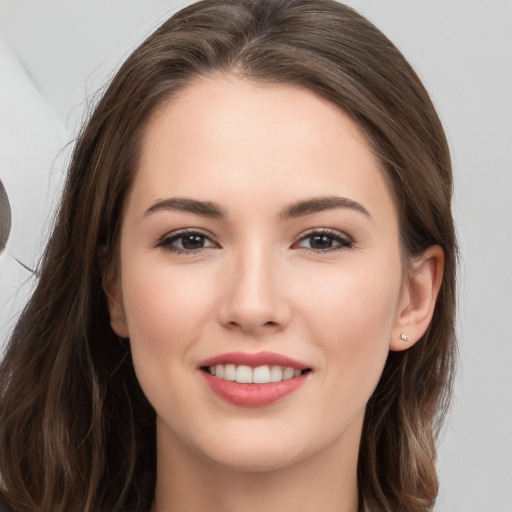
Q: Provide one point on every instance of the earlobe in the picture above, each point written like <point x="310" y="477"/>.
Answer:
<point x="113" y="291"/>
<point x="419" y="295"/>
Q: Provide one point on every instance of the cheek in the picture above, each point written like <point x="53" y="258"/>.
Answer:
<point x="356" y="298"/>
<point x="165" y="312"/>
<point x="158" y="298"/>
<point x="350" y="317"/>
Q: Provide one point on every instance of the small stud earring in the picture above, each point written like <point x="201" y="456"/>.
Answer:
<point x="403" y="336"/>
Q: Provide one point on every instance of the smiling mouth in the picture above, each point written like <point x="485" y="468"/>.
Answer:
<point x="244" y="374"/>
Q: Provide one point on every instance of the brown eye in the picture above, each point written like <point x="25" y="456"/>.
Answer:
<point x="324" y="241"/>
<point x="186" y="242"/>
<point x="192" y="242"/>
<point x="321" y="242"/>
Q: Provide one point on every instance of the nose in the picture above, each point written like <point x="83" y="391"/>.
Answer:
<point x="254" y="299"/>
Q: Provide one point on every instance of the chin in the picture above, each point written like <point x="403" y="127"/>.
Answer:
<point x="251" y="452"/>
<point x="254" y="460"/>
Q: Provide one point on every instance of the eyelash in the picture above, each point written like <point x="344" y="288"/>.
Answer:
<point x="344" y="242"/>
<point x="167" y="241"/>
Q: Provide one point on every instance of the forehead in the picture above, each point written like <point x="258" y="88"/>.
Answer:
<point x="231" y="138"/>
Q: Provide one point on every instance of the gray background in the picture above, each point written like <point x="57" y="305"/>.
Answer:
<point x="54" y="54"/>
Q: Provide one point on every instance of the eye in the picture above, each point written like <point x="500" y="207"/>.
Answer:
<point x="186" y="242"/>
<point x="325" y="240"/>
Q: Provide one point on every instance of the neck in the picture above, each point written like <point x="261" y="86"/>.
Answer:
<point x="187" y="482"/>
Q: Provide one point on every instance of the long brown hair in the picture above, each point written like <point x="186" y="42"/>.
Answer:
<point x="76" y="432"/>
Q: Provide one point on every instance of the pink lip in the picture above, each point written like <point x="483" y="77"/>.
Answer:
<point x="254" y="360"/>
<point x="253" y="395"/>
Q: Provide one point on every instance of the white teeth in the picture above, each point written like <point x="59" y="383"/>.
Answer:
<point x="259" y="375"/>
<point x="229" y="372"/>
<point x="276" y="374"/>
<point x="243" y="374"/>
<point x="288" y="373"/>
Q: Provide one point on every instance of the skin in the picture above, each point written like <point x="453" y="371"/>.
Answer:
<point x="258" y="284"/>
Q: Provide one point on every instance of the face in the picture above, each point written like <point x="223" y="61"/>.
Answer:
<point x="259" y="235"/>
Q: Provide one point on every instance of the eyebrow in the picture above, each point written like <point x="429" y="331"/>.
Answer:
<point x="297" y="209"/>
<point x="184" y="204"/>
<point x="319" y="204"/>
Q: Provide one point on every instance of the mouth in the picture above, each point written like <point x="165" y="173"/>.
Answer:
<point x="253" y="380"/>
<point x="244" y="374"/>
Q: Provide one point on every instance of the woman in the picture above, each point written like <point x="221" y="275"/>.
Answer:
<point x="247" y="301"/>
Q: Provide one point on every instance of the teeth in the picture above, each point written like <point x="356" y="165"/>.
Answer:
<point x="276" y="374"/>
<point x="229" y="372"/>
<point x="243" y="374"/>
<point x="259" y="375"/>
<point x="288" y="373"/>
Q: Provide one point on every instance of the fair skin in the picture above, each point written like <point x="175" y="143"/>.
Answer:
<point x="323" y="286"/>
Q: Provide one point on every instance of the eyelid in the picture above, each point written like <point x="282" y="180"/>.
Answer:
<point x="345" y="241"/>
<point x="165" y="242"/>
<point x="167" y="239"/>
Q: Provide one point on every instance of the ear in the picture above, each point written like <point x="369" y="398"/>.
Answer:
<point x="419" y="295"/>
<point x="114" y="293"/>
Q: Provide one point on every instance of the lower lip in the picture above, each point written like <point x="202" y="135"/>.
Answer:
<point x="253" y="395"/>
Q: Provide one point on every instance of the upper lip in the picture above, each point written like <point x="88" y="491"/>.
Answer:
<point x="254" y="359"/>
